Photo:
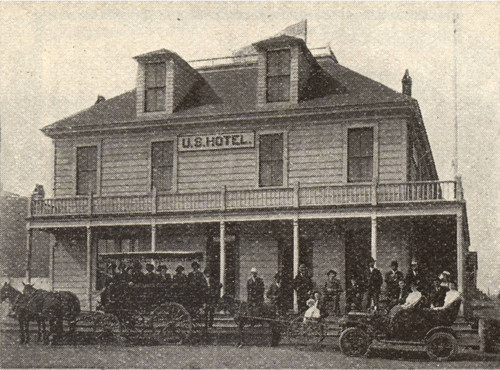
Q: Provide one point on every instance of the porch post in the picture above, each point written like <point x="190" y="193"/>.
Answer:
<point x="295" y="259"/>
<point x="460" y="253"/>
<point x="89" y="268"/>
<point x="222" y="255"/>
<point x="51" y="265"/>
<point x="29" y="237"/>
<point x="374" y="237"/>
<point x="153" y="237"/>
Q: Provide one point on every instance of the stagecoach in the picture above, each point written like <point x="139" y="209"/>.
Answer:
<point x="145" y="311"/>
<point x="419" y="327"/>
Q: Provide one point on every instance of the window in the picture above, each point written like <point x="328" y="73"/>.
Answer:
<point x="278" y="75"/>
<point x="155" y="87"/>
<point x="271" y="160"/>
<point x="86" y="170"/>
<point x="162" y="165"/>
<point x="360" y="154"/>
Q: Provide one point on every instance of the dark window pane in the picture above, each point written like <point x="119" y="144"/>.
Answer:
<point x="155" y="75"/>
<point x="162" y="161"/>
<point x="278" y="88"/>
<point x="271" y="160"/>
<point x="360" y="154"/>
<point x="86" y="167"/>
<point x="278" y="62"/>
<point x="265" y="174"/>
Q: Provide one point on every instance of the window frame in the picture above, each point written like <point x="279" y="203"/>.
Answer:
<point x="155" y="88"/>
<point x="174" y="163"/>
<point x="278" y="75"/>
<point x="375" y="155"/>
<point x="285" y="158"/>
<point x="85" y="144"/>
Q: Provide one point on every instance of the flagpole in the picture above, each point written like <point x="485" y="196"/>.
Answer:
<point x="455" y="155"/>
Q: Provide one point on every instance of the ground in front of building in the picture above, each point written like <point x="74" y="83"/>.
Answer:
<point x="257" y="355"/>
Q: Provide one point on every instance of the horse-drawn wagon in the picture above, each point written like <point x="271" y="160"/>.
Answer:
<point x="128" y="310"/>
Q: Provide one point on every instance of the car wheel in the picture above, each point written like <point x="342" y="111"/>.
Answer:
<point x="441" y="346"/>
<point x="354" y="342"/>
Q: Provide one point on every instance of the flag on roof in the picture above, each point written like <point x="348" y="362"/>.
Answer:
<point x="296" y="30"/>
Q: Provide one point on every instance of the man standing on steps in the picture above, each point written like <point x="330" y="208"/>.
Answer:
<point x="255" y="289"/>
<point x="374" y="283"/>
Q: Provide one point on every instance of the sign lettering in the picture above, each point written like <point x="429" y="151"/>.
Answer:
<point x="192" y="143"/>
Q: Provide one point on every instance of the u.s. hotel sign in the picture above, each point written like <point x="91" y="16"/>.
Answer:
<point x="237" y="140"/>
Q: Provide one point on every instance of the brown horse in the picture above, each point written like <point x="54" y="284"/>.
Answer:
<point x="245" y="314"/>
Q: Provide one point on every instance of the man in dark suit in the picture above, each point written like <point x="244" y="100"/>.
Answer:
<point x="392" y="279"/>
<point x="275" y="294"/>
<point x="255" y="289"/>
<point x="197" y="286"/>
<point x="414" y="276"/>
<point x="374" y="283"/>
<point x="303" y="285"/>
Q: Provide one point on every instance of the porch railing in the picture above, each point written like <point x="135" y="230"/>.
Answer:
<point x="288" y="197"/>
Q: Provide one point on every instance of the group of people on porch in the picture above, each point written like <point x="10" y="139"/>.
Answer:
<point x="363" y="292"/>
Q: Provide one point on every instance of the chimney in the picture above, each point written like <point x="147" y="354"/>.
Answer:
<point x="38" y="193"/>
<point x="406" y="81"/>
<point x="100" y="99"/>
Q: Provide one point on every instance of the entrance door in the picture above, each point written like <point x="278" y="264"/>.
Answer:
<point x="357" y="253"/>
<point x="213" y="260"/>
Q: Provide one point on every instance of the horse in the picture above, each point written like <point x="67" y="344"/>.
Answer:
<point x="54" y="307"/>
<point x="19" y="303"/>
<point x="245" y="314"/>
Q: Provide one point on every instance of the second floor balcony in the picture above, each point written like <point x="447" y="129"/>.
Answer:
<point x="298" y="197"/>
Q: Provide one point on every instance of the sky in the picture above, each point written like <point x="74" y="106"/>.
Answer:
<point x="55" y="58"/>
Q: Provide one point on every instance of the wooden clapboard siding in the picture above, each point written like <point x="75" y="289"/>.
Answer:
<point x="70" y="267"/>
<point x="315" y="154"/>
<point x="235" y="168"/>
<point x="125" y="165"/>
<point x="64" y="181"/>
<point x="261" y="252"/>
<point x="392" y="150"/>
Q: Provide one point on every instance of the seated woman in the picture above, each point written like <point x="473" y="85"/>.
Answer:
<point x="447" y="313"/>
<point x="403" y="317"/>
<point x="313" y="313"/>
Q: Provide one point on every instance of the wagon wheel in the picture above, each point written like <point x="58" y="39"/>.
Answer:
<point x="354" y="342"/>
<point x="441" y="346"/>
<point x="107" y="329"/>
<point x="309" y="332"/>
<point x="171" y="324"/>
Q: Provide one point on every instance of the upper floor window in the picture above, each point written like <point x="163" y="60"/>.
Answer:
<point x="271" y="160"/>
<point x="155" y="87"/>
<point x="162" y="165"/>
<point x="86" y="170"/>
<point x="278" y="75"/>
<point x="360" y="154"/>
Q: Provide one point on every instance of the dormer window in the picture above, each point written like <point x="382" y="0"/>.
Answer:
<point x="155" y="87"/>
<point x="278" y="75"/>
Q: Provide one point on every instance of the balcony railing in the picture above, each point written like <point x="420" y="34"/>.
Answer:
<point x="291" y="197"/>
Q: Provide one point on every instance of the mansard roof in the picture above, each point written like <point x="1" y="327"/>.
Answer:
<point x="232" y="90"/>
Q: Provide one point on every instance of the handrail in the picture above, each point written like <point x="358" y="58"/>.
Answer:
<point x="298" y="196"/>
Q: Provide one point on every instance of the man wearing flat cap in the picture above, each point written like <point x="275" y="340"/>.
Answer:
<point x="197" y="286"/>
<point x="255" y="289"/>
<point x="374" y="283"/>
